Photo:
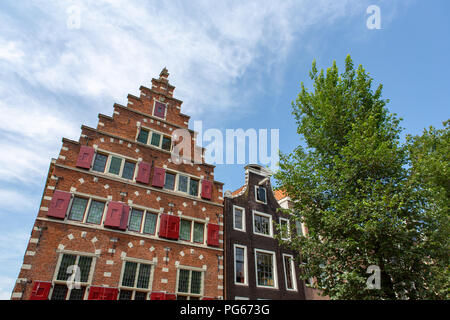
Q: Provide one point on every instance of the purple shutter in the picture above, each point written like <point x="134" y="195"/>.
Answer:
<point x="160" y="109"/>
<point x="213" y="235"/>
<point x="114" y="215"/>
<point x="159" y="175"/>
<point x="206" y="189"/>
<point x="85" y="157"/>
<point x="59" y="204"/>
<point x="143" y="174"/>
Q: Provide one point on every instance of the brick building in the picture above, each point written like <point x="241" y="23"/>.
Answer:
<point x="120" y="220"/>
<point x="256" y="266"/>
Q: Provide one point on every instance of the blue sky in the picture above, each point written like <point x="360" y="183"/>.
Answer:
<point x="235" y="65"/>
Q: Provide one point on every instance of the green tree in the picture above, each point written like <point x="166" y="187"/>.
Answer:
<point x="352" y="187"/>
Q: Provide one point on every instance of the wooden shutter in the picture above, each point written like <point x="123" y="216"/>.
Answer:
<point x="160" y="109"/>
<point x="143" y="174"/>
<point x="163" y="225"/>
<point x="114" y="215"/>
<point x="213" y="235"/>
<point x="59" y="204"/>
<point x="85" y="157"/>
<point x="110" y="293"/>
<point x="206" y="189"/>
<point x="124" y="217"/>
<point x="207" y="298"/>
<point x="171" y="296"/>
<point x="40" y="290"/>
<point x="159" y="175"/>
<point x="103" y="293"/>
<point x="157" y="296"/>
<point x="174" y="227"/>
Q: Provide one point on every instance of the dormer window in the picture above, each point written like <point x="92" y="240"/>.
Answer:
<point x="261" y="195"/>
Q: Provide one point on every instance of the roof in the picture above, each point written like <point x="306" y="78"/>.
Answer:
<point x="235" y="192"/>
<point x="279" y="194"/>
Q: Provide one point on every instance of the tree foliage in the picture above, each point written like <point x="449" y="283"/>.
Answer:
<point x="366" y="198"/>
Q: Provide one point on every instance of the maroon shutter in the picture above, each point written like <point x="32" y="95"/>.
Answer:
<point x="158" y="177"/>
<point x="163" y="225"/>
<point x="95" y="293"/>
<point x="124" y="217"/>
<point x="157" y="296"/>
<point x="40" y="290"/>
<point x="207" y="298"/>
<point x="110" y="294"/>
<point x="174" y="227"/>
<point x="143" y="174"/>
<point x="160" y="109"/>
<point x="206" y="189"/>
<point x="114" y="215"/>
<point x="171" y="296"/>
<point x="59" y="204"/>
<point x="213" y="235"/>
<point x="85" y="157"/>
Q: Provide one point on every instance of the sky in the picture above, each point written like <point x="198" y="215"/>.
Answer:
<point x="235" y="64"/>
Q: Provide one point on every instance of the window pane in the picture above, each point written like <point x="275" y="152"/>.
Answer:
<point x="183" y="281"/>
<point x="156" y="138"/>
<point x="128" y="170"/>
<point x="140" y="295"/>
<point x="170" y="181"/>
<point x="262" y="224"/>
<point x="198" y="232"/>
<point x="182" y="183"/>
<point x="196" y="282"/>
<point x="135" y="220"/>
<point x="166" y="143"/>
<point x="84" y="263"/>
<point x="115" y="165"/>
<point x="239" y="258"/>
<point x="193" y="188"/>
<point x="298" y="227"/>
<point x="143" y="136"/>
<point x="78" y="208"/>
<point x="59" y="292"/>
<point x="100" y="162"/>
<point x="129" y="274"/>
<point x="181" y="297"/>
<point x="95" y="212"/>
<point x="185" y="230"/>
<point x="238" y="218"/>
<point x="66" y="261"/>
<point x="284" y="229"/>
<point x="144" y="276"/>
<point x="77" y="294"/>
<point x="150" y="223"/>
<point x="288" y="272"/>
<point x="261" y="194"/>
<point x="125" y="295"/>
<point x="264" y="269"/>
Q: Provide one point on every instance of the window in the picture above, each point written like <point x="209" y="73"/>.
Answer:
<point x="265" y="269"/>
<point x="193" y="187"/>
<point x="298" y="227"/>
<point x="114" y="166"/>
<point x="166" y="143"/>
<point x="262" y="224"/>
<point x="190" y="227"/>
<point x="189" y="284"/>
<point x="285" y="228"/>
<point x="182" y="183"/>
<point x="238" y="218"/>
<point x="69" y="264"/>
<point x="156" y="139"/>
<point x="135" y="220"/>
<point x="170" y="181"/>
<point x="100" y="162"/>
<point x="199" y="229"/>
<point x="150" y="223"/>
<point x="289" y="272"/>
<point x="136" y="281"/>
<point x="185" y="230"/>
<point x="143" y="136"/>
<point x="260" y="194"/>
<point x="240" y="265"/>
<point x="78" y="208"/>
<point x="128" y="170"/>
<point x="95" y="213"/>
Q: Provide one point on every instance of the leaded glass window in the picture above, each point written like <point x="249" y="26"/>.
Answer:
<point x="150" y="223"/>
<point x="100" y="162"/>
<point x="156" y="139"/>
<point x="115" y="165"/>
<point x="182" y="183"/>
<point x="128" y="170"/>
<point x="135" y="220"/>
<point x="95" y="212"/>
<point x="199" y="232"/>
<point x="170" y="181"/>
<point x="193" y="187"/>
<point x="143" y="136"/>
<point x="185" y="230"/>
<point x="166" y="143"/>
<point x="129" y="274"/>
<point x="78" y="208"/>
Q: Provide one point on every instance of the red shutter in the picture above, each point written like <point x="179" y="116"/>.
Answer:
<point x="158" y="177"/>
<point x="85" y="157"/>
<point x="114" y="215"/>
<point x="213" y="235"/>
<point x="160" y="109"/>
<point x="163" y="225"/>
<point x="124" y="218"/>
<point x="206" y="189"/>
<point x="59" y="204"/>
<point x="40" y="290"/>
<point x="103" y="293"/>
<point x="174" y="227"/>
<point x="143" y="174"/>
<point x="207" y="298"/>
<point x="157" y="296"/>
<point x="171" y="296"/>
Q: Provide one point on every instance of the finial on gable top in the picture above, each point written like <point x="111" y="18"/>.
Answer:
<point x="164" y="73"/>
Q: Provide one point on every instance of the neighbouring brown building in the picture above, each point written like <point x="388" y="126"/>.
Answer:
<point x="120" y="220"/>
<point x="256" y="266"/>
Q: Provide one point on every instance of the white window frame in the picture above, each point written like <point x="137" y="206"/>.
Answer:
<point x="86" y="210"/>
<point x="165" y="109"/>
<point x="188" y="295"/>
<point x="288" y="236"/>
<point x="256" y="194"/>
<point x="64" y="282"/>
<point x="274" y="264"/>
<point x="293" y="275"/>
<point x="241" y="298"/>
<point x="134" y="289"/>
<point x="108" y="164"/>
<point x="150" y="135"/>
<point x="192" y="222"/>
<point x="255" y="212"/>
<point x="243" y="218"/>
<point x="245" y="265"/>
